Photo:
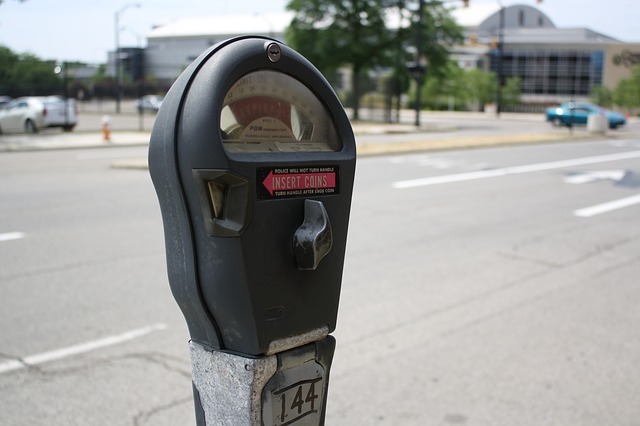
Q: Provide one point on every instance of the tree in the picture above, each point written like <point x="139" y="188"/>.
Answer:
<point x="627" y="92"/>
<point x="357" y="33"/>
<point x="25" y="74"/>
<point x="480" y="87"/>
<point x="511" y="91"/>
<point x="8" y="60"/>
<point x="440" y="32"/>
<point x="441" y="88"/>
<point x="334" y="33"/>
<point x="602" y="96"/>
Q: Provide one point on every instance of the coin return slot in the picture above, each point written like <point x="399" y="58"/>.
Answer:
<point x="224" y="200"/>
<point x="216" y="194"/>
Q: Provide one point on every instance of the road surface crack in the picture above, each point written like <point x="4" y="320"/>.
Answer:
<point x="146" y="417"/>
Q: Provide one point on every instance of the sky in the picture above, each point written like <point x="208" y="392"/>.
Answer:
<point x="81" y="30"/>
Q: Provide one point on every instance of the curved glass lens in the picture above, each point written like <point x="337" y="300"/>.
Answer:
<point x="268" y="111"/>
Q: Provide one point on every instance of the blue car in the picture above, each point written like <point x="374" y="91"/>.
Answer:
<point x="577" y="112"/>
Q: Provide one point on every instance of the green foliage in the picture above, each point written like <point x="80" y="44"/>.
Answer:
<point x="355" y="33"/>
<point x="511" y="91"/>
<point x="465" y="89"/>
<point x="101" y="75"/>
<point x="480" y="86"/>
<point x="335" y="33"/>
<point x="440" y="31"/>
<point x="25" y="73"/>
<point x="602" y="96"/>
<point x="627" y="92"/>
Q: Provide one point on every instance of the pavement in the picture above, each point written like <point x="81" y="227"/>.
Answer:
<point x="372" y="138"/>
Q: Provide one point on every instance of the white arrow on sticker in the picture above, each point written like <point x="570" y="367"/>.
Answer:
<point x="586" y="177"/>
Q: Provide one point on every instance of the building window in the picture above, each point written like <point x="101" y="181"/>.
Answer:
<point x="521" y="18"/>
<point x="559" y="72"/>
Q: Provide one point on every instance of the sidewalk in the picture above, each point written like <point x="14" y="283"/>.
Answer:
<point x="443" y="139"/>
<point x="55" y="139"/>
<point x="372" y="139"/>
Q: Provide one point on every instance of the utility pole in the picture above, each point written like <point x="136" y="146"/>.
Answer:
<point x="117" y="54"/>
<point x="418" y="69"/>
<point x="500" y="54"/>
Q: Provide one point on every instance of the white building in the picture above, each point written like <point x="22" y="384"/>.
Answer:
<point x="553" y="64"/>
<point x="172" y="47"/>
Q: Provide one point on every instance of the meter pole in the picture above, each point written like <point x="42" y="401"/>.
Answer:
<point x="273" y="390"/>
<point x="227" y="388"/>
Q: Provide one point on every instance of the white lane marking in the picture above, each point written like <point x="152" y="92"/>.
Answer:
<point x="56" y="354"/>
<point x="103" y="155"/>
<point x="460" y="177"/>
<point x="12" y="236"/>
<point x="588" y="177"/>
<point x="607" y="207"/>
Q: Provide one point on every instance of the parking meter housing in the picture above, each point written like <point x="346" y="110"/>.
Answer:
<point x="255" y="231"/>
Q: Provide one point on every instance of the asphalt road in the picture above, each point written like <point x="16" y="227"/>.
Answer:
<point x="482" y="287"/>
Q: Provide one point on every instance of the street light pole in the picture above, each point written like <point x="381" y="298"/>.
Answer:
<point x="117" y="53"/>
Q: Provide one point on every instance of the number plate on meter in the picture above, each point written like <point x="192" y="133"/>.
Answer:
<point x="295" y="396"/>
<point x="294" y="403"/>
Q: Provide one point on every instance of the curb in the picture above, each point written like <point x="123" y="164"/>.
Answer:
<point x="379" y="149"/>
<point x="464" y="142"/>
<point x="91" y="140"/>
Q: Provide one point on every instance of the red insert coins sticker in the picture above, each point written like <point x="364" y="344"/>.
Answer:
<point x="297" y="181"/>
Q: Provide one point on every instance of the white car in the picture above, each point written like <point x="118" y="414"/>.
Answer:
<point x="30" y="114"/>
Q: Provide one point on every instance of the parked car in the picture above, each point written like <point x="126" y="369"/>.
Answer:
<point x="30" y="114"/>
<point x="572" y="113"/>
<point x="4" y="101"/>
<point x="149" y="103"/>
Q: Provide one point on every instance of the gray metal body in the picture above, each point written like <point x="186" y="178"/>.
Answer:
<point x="253" y="160"/>
<point x="244" y="284"/>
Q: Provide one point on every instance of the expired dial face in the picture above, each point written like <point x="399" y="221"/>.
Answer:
<point x="269" y="111"/>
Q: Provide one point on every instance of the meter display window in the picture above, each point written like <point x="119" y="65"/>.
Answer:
<point x="269" y="111"/>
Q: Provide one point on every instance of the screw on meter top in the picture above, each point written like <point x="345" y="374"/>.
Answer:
<point x="269" y="111"/>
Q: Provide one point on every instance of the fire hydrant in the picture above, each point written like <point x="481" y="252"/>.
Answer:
<point x="106" y="128"/>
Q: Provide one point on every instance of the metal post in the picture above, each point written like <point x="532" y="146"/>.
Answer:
<point x="65" y="93"/>
<point x="499" y="62"/>
<point x="418" y="73"/>
<point x="117" y="53"/>
<point x="117" y="60"/>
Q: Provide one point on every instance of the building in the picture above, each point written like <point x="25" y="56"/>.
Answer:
<point x="172" y="47"/>
<point x="553" y="64"/>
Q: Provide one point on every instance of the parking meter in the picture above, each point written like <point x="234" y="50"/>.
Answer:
<point x="253" y="161"/>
